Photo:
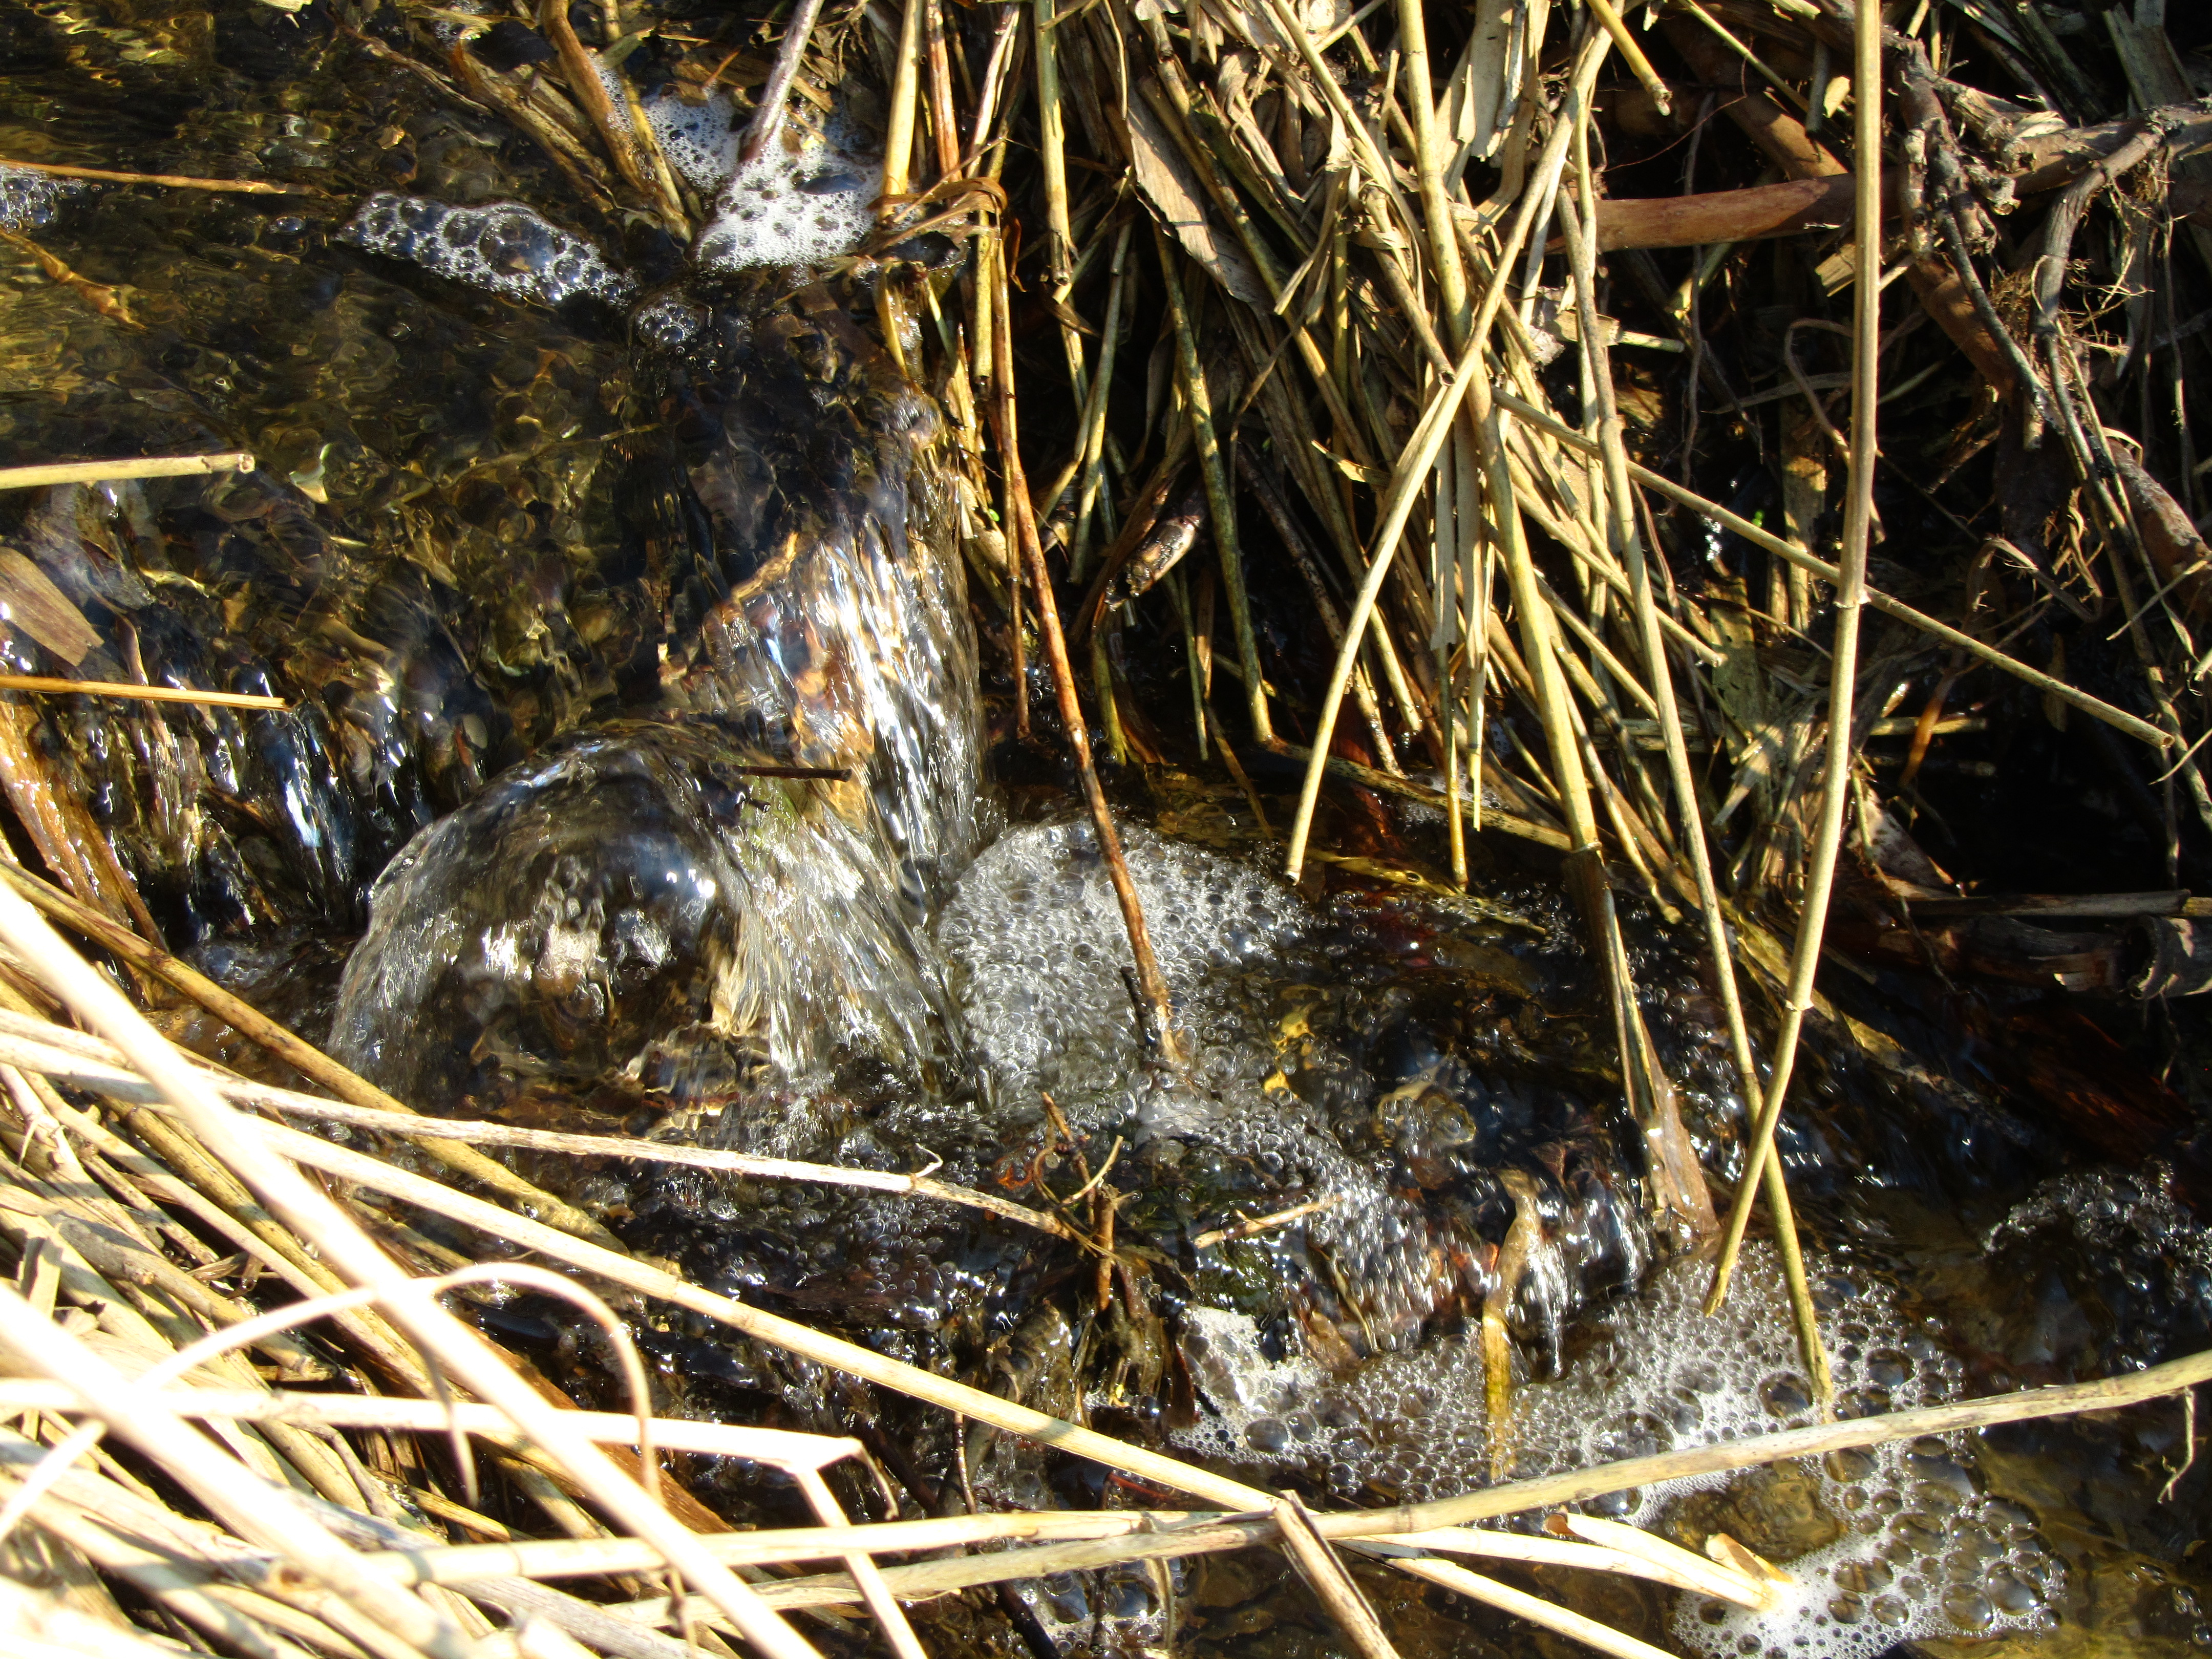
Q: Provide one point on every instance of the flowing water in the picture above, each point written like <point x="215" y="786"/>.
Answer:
<point x="638" y="777"/>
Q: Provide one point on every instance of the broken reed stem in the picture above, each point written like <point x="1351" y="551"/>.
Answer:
<point x="315" y="1218"/>
<point x="1843" y="664"/>
<point x="154" y="467"/>
<point x="768" y="117"/>
<point x="141" y="693"/>
<point x="1768" y="542"/>
<point x="1632" y="52"/>
<point x="1628" y="547"/>
<point x="1155" y="1009"/>
<point x="1324" y="1575"/>
<point x="1220" y="497"/>
<point x="294" y="1051"/>
<point x="1411" y="472"/>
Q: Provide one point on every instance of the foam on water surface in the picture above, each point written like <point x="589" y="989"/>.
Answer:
<point x="1915" y="1548"/>
<point x="28" y="196"/>
<point x="1037" y="941"/>
<point x="700" y="141"/>
<point x="502" y="246"/>
<point x="808" y="197"/>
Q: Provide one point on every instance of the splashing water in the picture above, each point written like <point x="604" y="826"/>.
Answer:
<point x="646" y="880"/>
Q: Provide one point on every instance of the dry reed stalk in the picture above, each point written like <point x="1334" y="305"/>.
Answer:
<point x="271" y="1516"/>
<point x="1766" y="541"/>
<point x="312" y="1214"/>
<point x="1535" y="1609"/>
<point x="68" y="1056"/>
<point x="157" y="466"/>
<point x="140" y="692"/>
<point x="1843" y="663"/>
<point x="294" y="1050"/>
<point x="1628" y="549"/>
<point x="1411" y="472"/>
<point x="905" y="106"/>
<point x="173" y="181"/>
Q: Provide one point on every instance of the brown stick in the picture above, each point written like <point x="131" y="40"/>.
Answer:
<point x="60" y="1052"/>
<point x="1724" y="216"/>
<point x="768" y="118"/>
<point x="1157" y="1012"/>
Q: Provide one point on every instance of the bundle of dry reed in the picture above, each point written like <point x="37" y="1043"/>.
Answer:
<point x="1365" y="256"/>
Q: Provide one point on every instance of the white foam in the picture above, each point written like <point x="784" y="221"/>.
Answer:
<point x="502" y="246"/>
<point x="806" y="199"/>
<point x="28" y="198"/>
<point x="699" y="140"/>
<point x="1037" y="938"/>
<point x="1924" y="1552"/>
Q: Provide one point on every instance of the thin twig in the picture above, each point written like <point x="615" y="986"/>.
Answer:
<point x="174" y="181"/>
<point x="141" y="693"/>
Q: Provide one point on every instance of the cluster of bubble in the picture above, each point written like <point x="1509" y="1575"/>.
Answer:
<point x="2127" y="1229"/>
<point x="1409" y="1425"/>
<point x="502" y="246"/>
<point x="699" y="140"/>
<point x="1922" y="1552"/>
<point x="1035" y="941"/>
<point x="28" y="198"/>
<point x="1115" y="1611"/>
<point x="1038" y="958"/>
<point x="808" y="197"/>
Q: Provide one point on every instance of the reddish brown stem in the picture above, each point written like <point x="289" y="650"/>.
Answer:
<point x="1156" y="1011"/>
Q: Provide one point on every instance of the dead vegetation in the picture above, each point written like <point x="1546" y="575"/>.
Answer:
<point x="1419" y="363"/>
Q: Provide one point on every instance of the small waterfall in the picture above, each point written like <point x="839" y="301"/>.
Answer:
<point x="653" y="898"/>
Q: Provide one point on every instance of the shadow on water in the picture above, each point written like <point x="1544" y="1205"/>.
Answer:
<point x="564" y="549"/>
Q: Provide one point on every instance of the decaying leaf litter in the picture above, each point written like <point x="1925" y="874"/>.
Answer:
<point x="1590" y="297"/>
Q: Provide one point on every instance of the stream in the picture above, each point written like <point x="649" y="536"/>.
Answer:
<point x="644" y="774"/>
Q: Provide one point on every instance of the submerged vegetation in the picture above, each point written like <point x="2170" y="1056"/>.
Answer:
<point x="970" y="827"/>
